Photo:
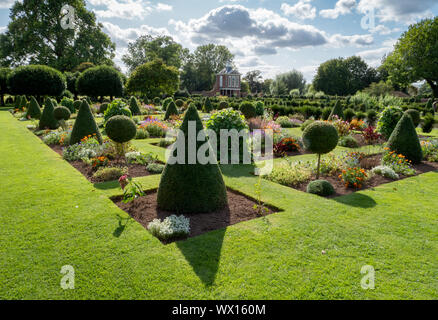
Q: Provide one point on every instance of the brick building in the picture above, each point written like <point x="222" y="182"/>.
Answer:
<point x="227" y="83"/>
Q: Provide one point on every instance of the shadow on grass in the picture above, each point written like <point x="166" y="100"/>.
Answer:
<point x="357" y="200"/>
<point x="123" y="223"/>
<point x="203" y="253"/>
<point x="237" y="170"/>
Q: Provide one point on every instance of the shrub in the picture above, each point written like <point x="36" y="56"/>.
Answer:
<point x="360" y="115"/>
<point x="290" y="174"/>
<point x="100" y="81"/>
<point x="348" y="142"/>
<point x="142" y="134"/>
<point x="321" y="188"/>
<point x="120" y="129"/>
<point x="133" y="106"/>
<point x="306" y="124"/>
<point x="284" y="122"/>
<point x="397" y="162"/>
<point x="430" y="150"/>
<point x="371" y="136"/>
<point x="109" y="173"/>
<point x="353" y="177"/>
<point x="84" y="125"/>
<point x="117" y="108"/>
<point x="337" y="111"/>
<point x="404" y="140"/>
<point x="388" y="120"/>
<point x="223" y="105"/>
<point x="36" y="80"/>
<point x="34" y="110"/>
<point x="248" y="110"/>
<point x="386" y="172"/>
<point x="371" y="117"/>
<point x="326" y="113"/>
<point x="77" y="104"/>
<point x="260" y="108"/>
<point x="47" y="120"/>
<point x="103" y="107"/>
<point x="171" y="110"/>
<point x="69" y="104"/>
<point x="428" y="123"/>
<point x="61" y="113"/>
<point x="415" y="116"/>
<point x="170" y="228"/>
<point x="191" y="188"/>
<point x="208" y="106"/>
<point x="179" y="103"/>
<point x="154" y="127"/>
<point x="349" y="114"/>
<point x="166" y="102"/>
<point x="156" y="168"/>
<point x="320" y="137"/>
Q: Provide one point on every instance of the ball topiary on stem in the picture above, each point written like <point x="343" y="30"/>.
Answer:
<point x="62" y="114"/>
<point x="34" y="110"/>
<point x="171" y="110"/>
<point x="133" y="106"/>
<point x="47" y="120"/>
<point x="404" y="140"/>
<point x="320" y="138"/>
<point x="191" y="188"/>
<point x="121" y="129"/>
<point x="85" y="125"/>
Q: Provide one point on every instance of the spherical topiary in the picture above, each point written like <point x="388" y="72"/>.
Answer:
<point x="191" y="188"/>
<point x="337" y="111"/>
<point x="320" y="137"/>
<point x="248" y="110"/>
<point x="171" y="110"/>
<point x="223" y="105"/>
<point x="260" y="108"/>
<point x="85" y="125"/>
<point x="133" y="106"/>
<point x="179" y="103"/>
<point x="100" y="81"/>
<point x="321" y="188"/>
<point x="47" y="120"/>
<point x="404" y="140"/>
<point x="415" y="116"/>
<point x="61" y="113"/>
<point x="349" y="114"/>
<point x="34" y="110"/>
<point x="121" y="129"/>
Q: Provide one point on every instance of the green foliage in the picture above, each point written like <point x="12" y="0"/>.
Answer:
<point x="179" y="103"/>
<point x="404" y="140"/>
<point x="260" y="108"/>
<point x="285" y="82"/>
<point x="131" y="190"/>
<point x="223" y="105"/>
<point x="4" y="89"/>
<point x="337" y="111"/>
<point x="117" y="108"/>
<point x="348" y="142"/>
<point x="321" y="188"/>
<point x="388" y="120"/>
<point x="191" y="188"/>
<point x="34" y="110"/>
<point x="120" y="129"/>
<point x="349" y="114"/>
<point x="371" y="117"/>
<point x="153" y="79"/>
<point x="284" y="122"/>
<point x="36" y="80"/>
<point x="415" y="116"/>
<point x="166" y="102"/>
<point x="84" y="125"/>
<point x="47" y="120"/>
<point x="320" y="137"/>
<point x="429" y="121"/>
<point x="155" y="168"/>
<point x="248" y="110"/>
<point x="171" y="110"/>
<point x="61" y="113"/>
<point x="77" y="104"/>
<point x="290" y="174"/>
<point x="100" y="81"/>
<point x="133" y="106"/>
<point x="142" y="134"/>
<point x="326" y="113"/>
<point x="306" y="124"/>
<point x="110" y="173"/>
<point x="69" y="104"/>
<point x="386" y="172"/>
<point x="208" y="106"/>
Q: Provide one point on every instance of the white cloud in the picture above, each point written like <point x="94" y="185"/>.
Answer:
<point x="163" y="7"/>
<point x="383" y="30"/>
<point x="342" y="7"/>
<point x="406" y="11"/>
<point x="339" y="40"/>
<point x="374" y="56"/>
<point x="127" y="9"/>
<point x="6" y="4"/>
<point x="302" y="9"/>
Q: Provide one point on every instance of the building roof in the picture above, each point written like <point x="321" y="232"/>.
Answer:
<point x="229" y="70"/>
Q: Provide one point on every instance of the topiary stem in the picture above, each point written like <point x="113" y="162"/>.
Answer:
<point x="319" y="163"/>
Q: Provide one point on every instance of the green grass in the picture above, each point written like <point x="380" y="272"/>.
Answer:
<point x="52" y="216"/>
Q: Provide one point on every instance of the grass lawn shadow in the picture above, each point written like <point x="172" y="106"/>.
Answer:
<point x="123" y="223"/>
<point x="203" y="253"/>
<point x="357" y="200"/>
<point x="237" y="170"/>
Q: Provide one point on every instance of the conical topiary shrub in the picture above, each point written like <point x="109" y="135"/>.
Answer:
<point x="47" y="120"/>
<point x="208" y="106"/>
<point x="133" y="106"/>
<point x="85" y="125"/>
<point x="191" y="188"/>
<point x="337" y="111"/>
<point x="34" y="110"/>
<point x="171" y="110"/>
<point x="17" y="102"/>
<point x="404" y="140"/>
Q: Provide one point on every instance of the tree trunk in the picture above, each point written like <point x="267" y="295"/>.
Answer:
<point x="317" y="169"/>
<point x="434" y="88"/>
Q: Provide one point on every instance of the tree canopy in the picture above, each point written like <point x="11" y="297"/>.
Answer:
<point x="415" y="56"/>
<point x="35" y="36"/>
<point x="288" y="81"/>
<point x="254" y="79"/>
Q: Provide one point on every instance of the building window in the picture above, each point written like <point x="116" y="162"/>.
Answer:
<point x="221" y="81"/>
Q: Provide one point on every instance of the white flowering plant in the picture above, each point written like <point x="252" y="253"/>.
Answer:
<point x="171" y="227"/>
<point x="386" y="172"/>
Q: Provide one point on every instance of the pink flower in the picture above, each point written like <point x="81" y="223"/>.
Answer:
<point x="123" y="181"/>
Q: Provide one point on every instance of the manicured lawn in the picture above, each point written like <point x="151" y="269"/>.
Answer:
<point x="52" y="216"/>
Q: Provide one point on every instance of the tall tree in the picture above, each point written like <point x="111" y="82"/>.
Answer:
<point x="35" y="36"/>
<point x="285" y="82"/>
<point x="206" y="61"/>
<point x="254" y="79"/>
<point x="415" y="56"/>
<point x="148" y="48"/>
<point x="4" y="73"/>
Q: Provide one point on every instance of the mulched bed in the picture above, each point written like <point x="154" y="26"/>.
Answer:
<point x="368" y="163"/>
<point x="134" y="170"/>
<point x="240" y="208"/>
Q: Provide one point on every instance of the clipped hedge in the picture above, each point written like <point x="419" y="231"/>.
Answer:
<point x="85" y="125"/>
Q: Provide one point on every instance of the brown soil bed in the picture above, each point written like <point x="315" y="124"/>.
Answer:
<point x="240" y="208"/>
<point x="367" y="163"/>
<point x="134" y="170"/>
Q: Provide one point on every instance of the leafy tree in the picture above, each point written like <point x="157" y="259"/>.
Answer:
<point x="84" y="66"/>
<point x="153" y="79"/>
<point x="35" y="36"/>
<point x="148" y="48"/>
<point x="288" y="81"/>
<point x="266" y="86"/>
<point x="254" y="79"/>
<point x="100" y="81"/>
<point x="415" y="56"/>
<point x="244" y="87"/>
<point x="4" y="73"/>
<point x="71" y="79"/>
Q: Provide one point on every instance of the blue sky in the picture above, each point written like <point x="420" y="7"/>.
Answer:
<point x="273" y="36"/>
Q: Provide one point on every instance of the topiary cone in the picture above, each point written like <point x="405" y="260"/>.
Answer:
<point x="404" y="140"/>
<point x="337" y="111"/>
<point x="133" y="106"/>
<point x="191" y="188"/>
<point x="85" y="125"/>
<point x="34" y="110"/>
<point x="171" y="110"/>
<point x="47" y="120"/>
